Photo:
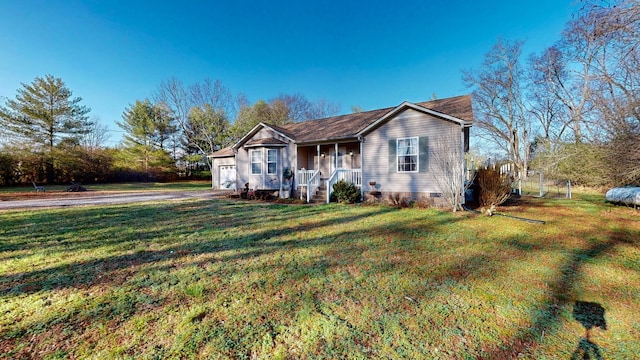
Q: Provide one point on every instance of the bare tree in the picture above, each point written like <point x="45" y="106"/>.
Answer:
<point x="448" y="164"/>
<point x="176" y="96"/>
<point x="547" y="74"/>
<point x="301" y="109"/>
<point x="214" y="94"/>
<point x="323" y="108"/>
<point x="593" y="69"/>
<point x="616" y="88"/>
<point x="96" y="136"/>
<point x="580" y="98"/>
<point x="201" y="111"/>
<point x="499" y="104"/>
<point x="616" y="95"/>
<point x="565" y="71"/>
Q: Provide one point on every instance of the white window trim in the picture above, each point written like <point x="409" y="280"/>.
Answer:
<point x="417" y="155"/>
<point x="276" y="162"/>
<point x="251" y="162"/>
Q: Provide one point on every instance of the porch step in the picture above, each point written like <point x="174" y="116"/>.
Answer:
<point x="321" y="194"/>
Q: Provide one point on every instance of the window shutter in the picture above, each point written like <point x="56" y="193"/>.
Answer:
<point x="423" y="151"/>
<point x="393" y="162"/>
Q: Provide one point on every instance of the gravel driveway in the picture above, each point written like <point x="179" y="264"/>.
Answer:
<point x="108" y="199"/>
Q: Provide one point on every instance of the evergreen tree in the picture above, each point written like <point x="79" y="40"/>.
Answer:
<point x="147" y="127"/>
<point x="43" y="115"/>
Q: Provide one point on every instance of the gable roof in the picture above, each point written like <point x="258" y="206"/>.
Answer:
<point x="457" y="109"/>
<point x="458" y="106"/>
<point x="421" y="108"/>
<point x="257" y="128"/>
<point x="223" y="153"/>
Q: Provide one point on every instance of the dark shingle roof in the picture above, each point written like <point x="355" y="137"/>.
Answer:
<point x="333" y="127"/>
<point x="282" y="130"/>
<point x="459" y="106"/>
<point x="222" y="153"/>
<point x="345" y="126"/>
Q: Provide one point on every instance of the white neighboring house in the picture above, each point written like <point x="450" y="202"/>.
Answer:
<point x="390" y="147"/>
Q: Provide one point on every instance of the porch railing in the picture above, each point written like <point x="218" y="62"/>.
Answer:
<point x="310" y="179"/>
<point x="353" y="176"/>
<point x="304" y="176"/>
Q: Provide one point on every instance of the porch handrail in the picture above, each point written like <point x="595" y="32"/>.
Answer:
<point x="312" y="184"/>
<point x="353" y="176"/>
<point x="305" y="175"/>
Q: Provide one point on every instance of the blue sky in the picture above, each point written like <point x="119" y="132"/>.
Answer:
<point x="372" y="54"/>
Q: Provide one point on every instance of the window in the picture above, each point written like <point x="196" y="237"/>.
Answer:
<point x="256" y="162"/>
<point x="272" y="161"/>
<point x="407" y="154"/>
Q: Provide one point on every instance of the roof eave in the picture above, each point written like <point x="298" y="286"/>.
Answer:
<point x="264" y="145"/>
<point x="221" y="156"/>
<point x="326" y="140"/>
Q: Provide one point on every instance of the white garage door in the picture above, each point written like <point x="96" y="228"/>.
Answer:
<point x="228" y="177"/>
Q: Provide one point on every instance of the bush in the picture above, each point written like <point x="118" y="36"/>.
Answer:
<point x="423" y="202"/>
<point x="345" y="192"/>
<point x="494" y="188"/>
<point x="8" y="166"/>
<point x="398" y="201"/>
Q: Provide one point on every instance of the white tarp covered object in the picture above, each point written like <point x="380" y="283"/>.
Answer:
<point x="624" y="195"/>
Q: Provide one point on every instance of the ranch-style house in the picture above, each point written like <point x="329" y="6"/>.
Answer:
<point x="384" y="151"/>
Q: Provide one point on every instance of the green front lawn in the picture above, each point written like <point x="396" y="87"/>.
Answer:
<point x="232" y="279"/>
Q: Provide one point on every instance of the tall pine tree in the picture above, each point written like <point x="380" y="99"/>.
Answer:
<point x="147" y="128"/>
<point x="43" y="115"/>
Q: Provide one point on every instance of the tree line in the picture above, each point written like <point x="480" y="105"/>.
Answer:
<point x="47" y="136"/>
<point x="573" y="110"/>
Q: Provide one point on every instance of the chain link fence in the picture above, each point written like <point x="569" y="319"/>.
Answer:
<point x="537" y="184"/>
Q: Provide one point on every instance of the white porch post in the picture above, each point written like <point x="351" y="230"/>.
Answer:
<point x="279" y="168"/>
<point x="464" y="168"/>
<point x="318" y="156"/>
<point x="335" y="156"/>
<point x="364" y="181"/>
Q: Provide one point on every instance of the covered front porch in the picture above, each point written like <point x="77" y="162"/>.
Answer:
<point x="323" y="165"/>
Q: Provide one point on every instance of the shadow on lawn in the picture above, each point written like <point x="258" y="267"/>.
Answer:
<point x="96" y="271"/>
<point x="547" y="315"/>
<point x="590" y="315"/>
<point x="112" y="271"/>
<point x="340" y="250"/>
<point x="126" y="225"/>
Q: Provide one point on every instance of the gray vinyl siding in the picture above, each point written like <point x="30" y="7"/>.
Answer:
<point x="409" y="123"/>
<point x="286" y="158"/>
